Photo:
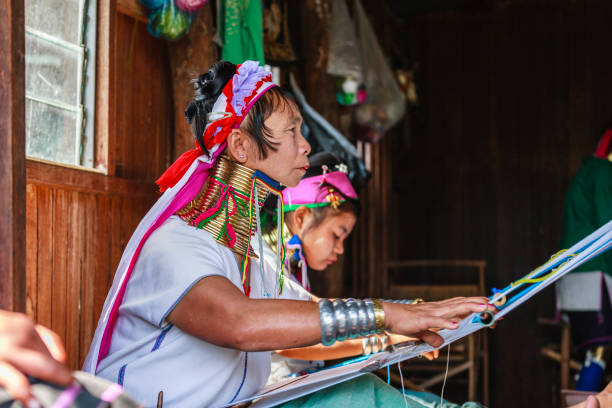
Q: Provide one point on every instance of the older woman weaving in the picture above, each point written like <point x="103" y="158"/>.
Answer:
<point x="189" y="312"/>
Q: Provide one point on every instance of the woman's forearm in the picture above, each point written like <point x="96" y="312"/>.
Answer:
<point x="215" y="311"/>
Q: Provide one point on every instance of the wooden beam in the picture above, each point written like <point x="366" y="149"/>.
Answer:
<point x="85" y="181"/>
<point x="556" y="356"/>
<point x="105" y="119"/>
<point x="133" y="9"/>
<point x="12" y="155"/>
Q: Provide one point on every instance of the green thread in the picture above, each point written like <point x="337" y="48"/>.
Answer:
<point x="294" y="207"/>
<point x="225" y="185"/>
<point x="238" y="201"/>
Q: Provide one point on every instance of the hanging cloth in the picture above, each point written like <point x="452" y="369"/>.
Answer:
<point x="241" y="30"/>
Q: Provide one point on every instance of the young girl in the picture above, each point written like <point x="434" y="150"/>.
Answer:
<point x="320" y="213"/>
<point x="190" y="313"/>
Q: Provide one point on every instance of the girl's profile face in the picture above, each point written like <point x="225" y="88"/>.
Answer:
<point x="322" y="244"/>
<point x="288" y="163"/>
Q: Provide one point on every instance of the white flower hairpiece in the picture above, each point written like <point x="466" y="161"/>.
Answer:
<point x="342" y="168"/>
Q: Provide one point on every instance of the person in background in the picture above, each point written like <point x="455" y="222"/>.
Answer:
<point x="585" y="294"/>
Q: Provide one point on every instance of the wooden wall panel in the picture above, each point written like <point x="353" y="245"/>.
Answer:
<point x="76" y="242"/>
<point x="12" y="156"/>
<point x="31" y="262"/>
<point x="90" y="311"/>
<point x="143" y="143"/>
<point x="44" y="249"/>
<point x="76" y="222"/>
<point x="59" y="298"/>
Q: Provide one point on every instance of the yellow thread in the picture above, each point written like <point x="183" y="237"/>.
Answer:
<point x="543" y="278"/>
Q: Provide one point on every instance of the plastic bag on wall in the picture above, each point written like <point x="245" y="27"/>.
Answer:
<point x="169" y="22"/>
<point x="385" y="104"/>
<point x="343" y="58"/>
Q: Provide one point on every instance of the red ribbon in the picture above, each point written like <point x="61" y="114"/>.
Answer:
<point x="178" y="169"/>
<point x="218" y="130"/>
<point x="604" y="145"/>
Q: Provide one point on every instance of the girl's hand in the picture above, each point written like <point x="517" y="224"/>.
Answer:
<point x="418" y="319"/>
<point x="26" y="349"/>
<point x="431" y="355"/>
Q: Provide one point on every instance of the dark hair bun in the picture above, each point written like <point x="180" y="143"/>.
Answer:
<point x="207" y="87"/>
<point x="318" y="160"/>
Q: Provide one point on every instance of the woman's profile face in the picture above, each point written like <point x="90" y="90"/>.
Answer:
<point x="288" y="163"/>
<point x="323" y="243"/>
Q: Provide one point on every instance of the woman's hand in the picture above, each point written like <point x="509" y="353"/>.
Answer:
<point x="29" y="350"/>
<point x="418" y="319"/>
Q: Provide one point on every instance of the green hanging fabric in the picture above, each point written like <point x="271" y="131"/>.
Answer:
<point x="588" y="205"/>
<point x="241" y="30"/>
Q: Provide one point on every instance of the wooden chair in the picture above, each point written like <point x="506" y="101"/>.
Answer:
<point x="561" y="353"/>
<point x="467" y="355"/>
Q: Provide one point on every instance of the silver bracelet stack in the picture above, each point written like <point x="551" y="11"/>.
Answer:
<point x="342" y="319"/>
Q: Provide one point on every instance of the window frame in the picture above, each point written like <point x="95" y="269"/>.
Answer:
<point x="87" y="95"/>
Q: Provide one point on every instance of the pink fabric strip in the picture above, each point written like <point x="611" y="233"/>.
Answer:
<point x="182" y="198"/>
<point x="68" y="396"/>
<point x="111" y="393"/>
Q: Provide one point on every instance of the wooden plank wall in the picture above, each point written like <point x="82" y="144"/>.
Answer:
<point x="12" y="152"/>
<point x="514" y="97"/>
<point x="78" y="222"/>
